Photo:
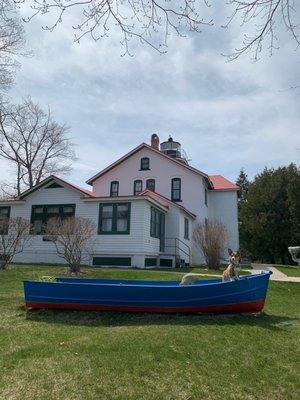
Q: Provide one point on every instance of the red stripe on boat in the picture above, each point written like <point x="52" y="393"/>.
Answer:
<point x="253" y="306"/>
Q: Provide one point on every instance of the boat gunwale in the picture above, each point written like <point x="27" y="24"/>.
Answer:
<point x="218" y="281"/>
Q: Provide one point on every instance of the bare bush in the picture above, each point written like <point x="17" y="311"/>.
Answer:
<point x="210" y="236"/>
<point x="14" y="237"/>
<point x="72" y="239"/>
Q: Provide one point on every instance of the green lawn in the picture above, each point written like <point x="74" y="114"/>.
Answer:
<point x="60" y="355"/>
<point x="289" y="271"/>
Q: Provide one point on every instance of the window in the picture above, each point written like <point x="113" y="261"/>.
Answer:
<point x="114" y="189"/>
<point x="150" y="184"/>
<point x="4" y="218"/>
<point x="137" y="187"/>
<point x="114" y="218"/>
<point x="186" y="229"/>
<point x="205" y="197"/>
<point x="176" y="189"/>
<point x="41" y="214"/>
<point x="156" y="221"/>
<point x="145" y="163"/>
<point x="54" y="185"/>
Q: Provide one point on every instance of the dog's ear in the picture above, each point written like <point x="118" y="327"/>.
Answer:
<point x="229" y="251"/>
<point x="239" y="256"/>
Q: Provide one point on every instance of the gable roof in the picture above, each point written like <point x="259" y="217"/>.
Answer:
<point x="54" y="178"/>
<point x="165" y="201"/>
<point x="221" y="183"/>
<point x="138" y="148"/>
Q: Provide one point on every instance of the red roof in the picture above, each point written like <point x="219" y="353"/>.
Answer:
<point x="165" y="201"/>
<point x="221" y="183"/>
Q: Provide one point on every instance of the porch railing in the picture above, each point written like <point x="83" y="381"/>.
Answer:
<point x="178" y="248"/>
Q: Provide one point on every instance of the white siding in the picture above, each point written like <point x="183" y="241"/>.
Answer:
<point x="162" y="170"/>
<point x="223" y="206"/>
<point x="137" y="243"/>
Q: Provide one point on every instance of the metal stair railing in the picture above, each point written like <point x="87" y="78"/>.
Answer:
<point x="179" y="247"/>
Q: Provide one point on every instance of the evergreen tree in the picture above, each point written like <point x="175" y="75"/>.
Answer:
<point x="243" y="183"/>
<point x="270" y="214"/>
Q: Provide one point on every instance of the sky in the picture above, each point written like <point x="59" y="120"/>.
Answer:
<point x="226" y="115"/>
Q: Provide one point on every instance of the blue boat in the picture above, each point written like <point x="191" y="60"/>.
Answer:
<point x="246" y="294"/>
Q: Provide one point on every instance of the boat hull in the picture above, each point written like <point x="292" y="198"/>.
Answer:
<point x="212" y="296"/>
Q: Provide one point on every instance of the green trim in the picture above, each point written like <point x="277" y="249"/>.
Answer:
<point x="43" y="216"/>
<point x="112" y="261"/>
<point x="186" y="228"/>
<point x="157" y="226"/>
<point x="173" y="197"/>
<point x="166" y="262"/>
<point x="114" y="193"/>
<point x="145" y="164"/>
<point x="8" y="208"/>
<point x="150" y="262"/>
<point x="136" y="192"/>
<point x="150" y="182"/>
<point x="114" y="219"/>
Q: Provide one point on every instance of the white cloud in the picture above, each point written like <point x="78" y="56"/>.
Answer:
<point x="227" y="115"/>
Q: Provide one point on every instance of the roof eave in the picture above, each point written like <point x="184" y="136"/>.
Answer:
<point x="129" y="154"/>
<point x="48" y="179"/>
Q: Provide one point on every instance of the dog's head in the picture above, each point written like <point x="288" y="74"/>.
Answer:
<point x="234" y="256"/>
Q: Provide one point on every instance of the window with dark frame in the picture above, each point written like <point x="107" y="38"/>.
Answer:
<point x="54" y="185"/>
<point x="186" y="229"/>
<point x="4" y="217"/>
<point x="176" y="189"/>
<point x="150" y="184"/>
<point x="114" y="218"/>
<point x="114" y="189"/>
<point x="137" y="187"/>
<point x="145" y="163"/>
<point x="41" y="214"/>
<point x="205" y="196"/>
<point x="155" y="222"/>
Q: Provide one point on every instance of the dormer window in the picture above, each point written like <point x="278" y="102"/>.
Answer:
<point x="114" y="189"/>
<point x="137" y="187"/>
<point x="150" y="184"/>
<point x="145" y="164"/>
<point x="176" y="189"/>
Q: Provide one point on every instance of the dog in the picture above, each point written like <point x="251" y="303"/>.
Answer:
<point x="232" y="271"/>
<point x="189" y="279"/>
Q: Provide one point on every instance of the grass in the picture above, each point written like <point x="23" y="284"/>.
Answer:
<point x="74" y="355"/>
<point x="289" y="271"/>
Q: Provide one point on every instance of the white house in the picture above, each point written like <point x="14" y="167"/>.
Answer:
<point x="145" y="206"/>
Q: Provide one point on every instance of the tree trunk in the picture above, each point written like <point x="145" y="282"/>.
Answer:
<point x="75" y="268"/>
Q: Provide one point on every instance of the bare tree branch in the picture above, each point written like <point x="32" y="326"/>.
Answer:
<point x="264" y="17"/>
<point x="72" y="239"/>
<point x="14" y="237"/>
<point x="34" y="143"/>
<point x="149" y="21"/>
<point x="11" y="41"/>
<point x="210" y="236"/>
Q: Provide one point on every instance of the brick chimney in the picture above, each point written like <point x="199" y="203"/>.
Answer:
<point x="155" y="141"/>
